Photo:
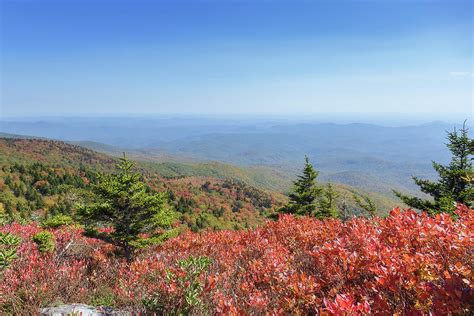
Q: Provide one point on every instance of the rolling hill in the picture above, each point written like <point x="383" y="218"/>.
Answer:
<point x="40" y="178"/>
<point x="370" y="157"/>
<point x="43" y="174"/>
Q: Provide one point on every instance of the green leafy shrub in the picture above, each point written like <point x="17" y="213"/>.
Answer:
<point x="191" y="282"/>
<point x="4" y="219"/>
<point x="8" y="246"/>
<point x="57" y="221"/>
<point x="45" y="241"/>
<point x="104" y="297"/>
<point x="189" y="279"/>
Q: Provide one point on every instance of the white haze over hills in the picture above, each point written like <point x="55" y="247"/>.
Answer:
<point x="375" y="157"/>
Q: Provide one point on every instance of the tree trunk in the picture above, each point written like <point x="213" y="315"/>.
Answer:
<point x="127" y="251"/>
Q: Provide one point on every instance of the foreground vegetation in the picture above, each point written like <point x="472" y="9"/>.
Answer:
<point x="405" y="263"/>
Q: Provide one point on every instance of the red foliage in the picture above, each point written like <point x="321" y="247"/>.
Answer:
<point x="406" y="263"/>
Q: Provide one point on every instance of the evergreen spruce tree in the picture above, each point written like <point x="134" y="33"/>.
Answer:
<point x="346" y="211"/>
<point x="124" y="203"/>
<point x="366" y="204"/>
<point x="327" y="203"/>
<point x="455" y="184"/>
<point x="306" y="192"/>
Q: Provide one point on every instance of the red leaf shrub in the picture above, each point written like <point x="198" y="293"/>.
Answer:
<point x="73" y="273"/>
<point x="406" y="263"/>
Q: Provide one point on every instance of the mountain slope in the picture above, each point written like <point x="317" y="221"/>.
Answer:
<point x="40" y="178"/>
<point x="389" y="154"/>
<point x="213" y="187"/>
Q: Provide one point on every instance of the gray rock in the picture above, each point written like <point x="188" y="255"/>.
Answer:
<point x="81" y="310"/>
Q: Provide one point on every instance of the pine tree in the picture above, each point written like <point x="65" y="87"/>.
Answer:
<point x="366" y="204"/>
<point x="8" y="181"/>
<point x="327" y="203"/>
<point x="123" y="203"/>
<point x="346" y="210"/>
<point x="455" y="184"/>
<point x="306" y="192"/>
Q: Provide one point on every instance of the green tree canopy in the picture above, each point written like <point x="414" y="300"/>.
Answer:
<point x="327" y="203"/>
<point x="305" y="194"/>
<point x="124" y="203"/>
<point x="455" y="183"/>
<point x="366" y="204"/>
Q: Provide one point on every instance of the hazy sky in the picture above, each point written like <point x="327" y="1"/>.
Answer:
<point x="95" y="57"/>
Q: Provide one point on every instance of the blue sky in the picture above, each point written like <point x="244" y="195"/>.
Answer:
<point x="236" y="57"/>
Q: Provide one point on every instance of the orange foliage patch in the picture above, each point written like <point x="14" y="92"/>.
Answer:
<point x="407" y="263"/>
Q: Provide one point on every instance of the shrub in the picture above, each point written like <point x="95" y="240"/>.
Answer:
<point x="8" y="248"/>
<point x="57" y="221"/>
<point x="407" y="263"/>
<point x="194" y="268"/>
<point x="45" y="241"/>
<point x="103" y="297"/>
<point x="78" y="271"/>
<point x="183" y="288"/>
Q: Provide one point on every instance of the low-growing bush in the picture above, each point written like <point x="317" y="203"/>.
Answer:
<point x="45" y="241"/>
<point x="57" y="221"/>
<point x="8" y="246"/>
<point x="407" y="263"/>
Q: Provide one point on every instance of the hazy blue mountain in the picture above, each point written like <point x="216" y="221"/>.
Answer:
<point x="373" y="157"/>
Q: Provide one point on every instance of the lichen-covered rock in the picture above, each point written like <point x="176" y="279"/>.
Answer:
<point x="82" y="310"/>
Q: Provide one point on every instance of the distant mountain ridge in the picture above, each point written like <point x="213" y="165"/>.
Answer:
<point x="72" y="156"/>
<point x="344" y="153"/>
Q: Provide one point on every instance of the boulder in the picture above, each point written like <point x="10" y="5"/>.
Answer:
<point x="81" y="310"/>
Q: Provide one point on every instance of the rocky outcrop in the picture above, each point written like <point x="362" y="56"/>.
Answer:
<point x="81" y="310"/>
